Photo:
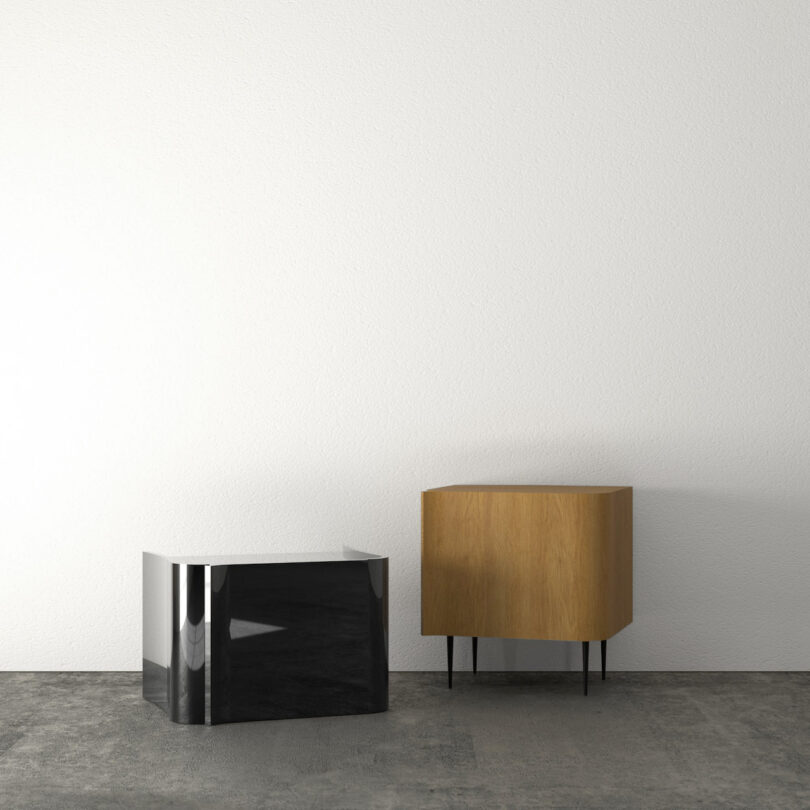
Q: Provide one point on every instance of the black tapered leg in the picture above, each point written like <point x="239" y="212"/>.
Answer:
<point x="585" y="645"/>
<point x="450" y="662"/>
<point x="475" y="654"/>
<point x="604" y="657"/>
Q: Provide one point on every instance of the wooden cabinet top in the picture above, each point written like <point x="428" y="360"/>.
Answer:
<point x="552" y="489"/>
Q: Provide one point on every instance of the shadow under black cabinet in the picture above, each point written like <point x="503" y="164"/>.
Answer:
<point x="265" y="637"/>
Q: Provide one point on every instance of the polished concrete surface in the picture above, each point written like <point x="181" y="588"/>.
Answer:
<point x="646" y="740"/>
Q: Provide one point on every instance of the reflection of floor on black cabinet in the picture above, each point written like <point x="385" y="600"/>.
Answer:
<point x="88" y="740"/>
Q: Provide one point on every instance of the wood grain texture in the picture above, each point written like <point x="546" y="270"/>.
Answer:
<point x="541" y="562"/>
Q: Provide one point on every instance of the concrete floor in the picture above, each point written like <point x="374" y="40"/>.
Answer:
<point x="647" y="740"/>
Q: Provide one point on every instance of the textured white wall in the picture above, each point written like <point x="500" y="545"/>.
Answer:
<point x="271" y="269"/>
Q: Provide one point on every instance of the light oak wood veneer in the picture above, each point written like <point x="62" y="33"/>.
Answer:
<point x="537" y="562"/>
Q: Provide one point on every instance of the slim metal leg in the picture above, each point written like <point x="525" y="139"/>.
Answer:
<point x="450" y="662"/>
<point x="604" y="657"/>
<point x="585" y="645"/>
<point x="475" y="654"/>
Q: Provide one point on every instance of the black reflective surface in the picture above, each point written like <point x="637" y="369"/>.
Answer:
<point x="285" y="639"/>
<point x="187" y="667"/>
<point x="174" y="638"/>
<point x="298" y="640"/>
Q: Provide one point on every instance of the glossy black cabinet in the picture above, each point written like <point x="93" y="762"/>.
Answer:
<point x="265" y="637"/>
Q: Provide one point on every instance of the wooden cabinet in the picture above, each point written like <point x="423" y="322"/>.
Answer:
<point x="535" y="562"/>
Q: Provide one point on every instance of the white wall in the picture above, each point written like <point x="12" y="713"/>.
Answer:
<point x="271" y="269"/>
